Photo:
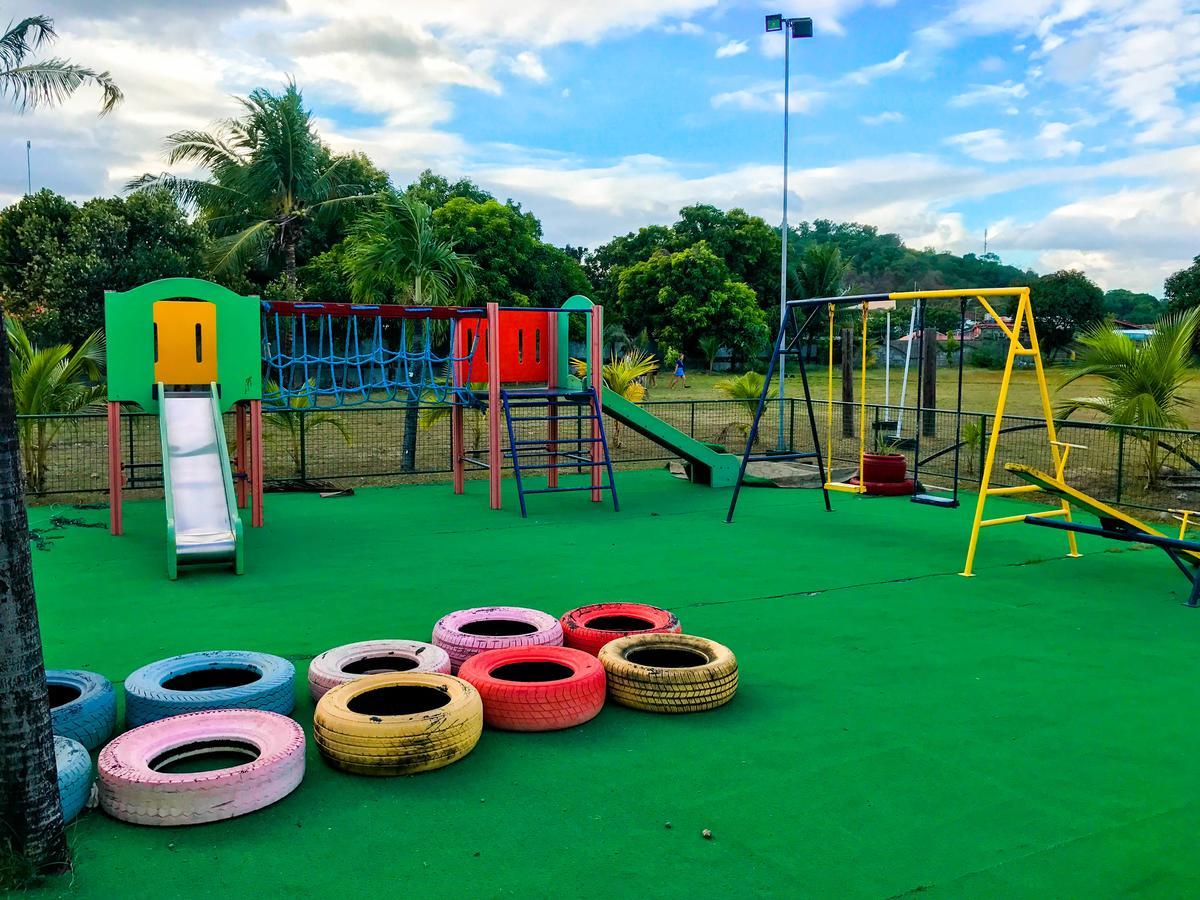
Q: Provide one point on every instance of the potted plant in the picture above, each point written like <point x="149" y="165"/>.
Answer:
<point x="885" y="465"/>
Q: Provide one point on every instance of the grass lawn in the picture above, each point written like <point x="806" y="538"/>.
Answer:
<point x="899" y="730"/>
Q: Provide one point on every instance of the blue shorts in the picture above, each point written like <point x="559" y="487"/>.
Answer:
<point x="679" y="371"/>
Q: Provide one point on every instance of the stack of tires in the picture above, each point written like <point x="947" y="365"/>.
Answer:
<point x="83" y="714"/>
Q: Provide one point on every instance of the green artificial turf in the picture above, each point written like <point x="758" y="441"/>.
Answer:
<point x="898" y="729"/>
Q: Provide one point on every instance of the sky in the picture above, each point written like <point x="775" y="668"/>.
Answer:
<point x="1068" y="130"/>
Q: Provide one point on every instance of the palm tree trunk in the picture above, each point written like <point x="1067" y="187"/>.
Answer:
<point x="30" y="812"/>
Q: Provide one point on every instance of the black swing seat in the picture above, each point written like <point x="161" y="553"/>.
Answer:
<point x="939" y="502"/>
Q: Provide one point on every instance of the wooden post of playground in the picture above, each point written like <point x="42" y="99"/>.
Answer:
<point x="552" y="383"/>
<point x="596" y="370"/>
<point x="848" y="382"/>
<point x="256" y="464"/>
<point x="929" y="367"/>
<point x="495" y="455"/>
<point x="115" y="524"/>
<point x="458" y="349"/>
<point x="241" y="469"/>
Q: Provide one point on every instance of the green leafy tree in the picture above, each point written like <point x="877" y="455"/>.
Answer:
<point x="819" y="272"/>
<point x="435" y="191"/>
<point x="31" y="824"/>
<point x="32" y="83"/>
<point x="1130" y="307"/>
<point x="747" y="244"/>
<point x="1064" y="303"/>
<point x="1182" y="289"/>
<point x="57" y="259"/>
<point x="709" y="346"/>
<point x="394" y="254"/>
<point x="1144" y="383"/>
<point x="270" y="177"/>
<point x="685" y="296"/>
<point x="605" y="264"/>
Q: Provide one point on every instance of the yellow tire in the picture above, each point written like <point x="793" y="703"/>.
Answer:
<point x="398" y="723"/>
<point x="669" y="673"/>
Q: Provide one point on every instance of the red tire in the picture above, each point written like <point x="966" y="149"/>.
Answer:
<point x="536" y="688"/>
<point x="589" y="628"/>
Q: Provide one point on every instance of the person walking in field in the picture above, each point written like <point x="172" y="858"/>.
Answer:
<point x="680" y="375"/>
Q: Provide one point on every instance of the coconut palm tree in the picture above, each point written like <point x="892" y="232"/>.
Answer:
<point x="820" y="272"/>
<point x="31" y="826"/>
<point x="49" y="380"/>
<point x="270" y="176"/>
<point x="29" y="84"/>
<point x="1143" y="383"/>
<point x="624" y="375"/>
<point x="393" y="254"/>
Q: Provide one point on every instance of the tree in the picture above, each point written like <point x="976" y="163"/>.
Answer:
<point x="48" y="380"/>
<point x="57" y="259"/>
<point x="1182" y="290"/>
<point x="30" y="84"/>
<point x="625" y="376"/>
<point x="435" y="191"/>
<point x="30" y="810"/>
<point x="393" y="254"/>
<point x="819" y="272"/>
<point x="1130" y="307"/>
<point x="270" y="179"/>
<point x="682" y="297"/>
<point x="606" y="263"/>
<point x="710" y="347"/>
<point x="746" y="388"/>
<point x="747" y="244"/>
<point x="1144" y="382"/>
<point x="1063" y="303"/>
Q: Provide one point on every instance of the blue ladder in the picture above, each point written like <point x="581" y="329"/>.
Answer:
<point x="556" y="405"/>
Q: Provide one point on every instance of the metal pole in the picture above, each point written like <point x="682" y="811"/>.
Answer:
<point x="783" y="226"/>
<point x="887" y="363"/>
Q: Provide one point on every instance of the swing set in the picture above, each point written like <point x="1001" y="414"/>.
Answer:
<point x="1021" y="336"/>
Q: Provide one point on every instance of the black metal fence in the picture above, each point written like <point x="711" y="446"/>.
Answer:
<point x="366" y="445"/>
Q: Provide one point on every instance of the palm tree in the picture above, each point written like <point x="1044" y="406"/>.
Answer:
<point x="30" y="84"/>
<point x="270" y="176"/>
<point x="746" y="388"/>
<point x="393" y="253"/>
<point x="819" y="272"/>
<point x="624" y="375"/>
<point x="283" y="426"/>
<point x="1144" y="383"/>
<point x="710" y="346"/>
<point x="30" y="813"/>
<point x="49" y="380"/>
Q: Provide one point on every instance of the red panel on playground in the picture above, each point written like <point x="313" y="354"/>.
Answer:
<point x="524" y="348"/>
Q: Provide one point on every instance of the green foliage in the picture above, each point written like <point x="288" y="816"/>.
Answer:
<point x="972" y="437"/>
<point x="819" y="272"/>
<point x="710" y="346"/>
<point x="1127" y="306"/>
<point x="29" y="84"/>
<point x="435" y="191"/>
<point x="393" y="254"/>
<point x="1182" y="290"/>
<point x="1063" y="303"/>
<point x="271" y="179"/>
<point x="515" y="266"/>
<point x="747" y="244"/>
<point x="282" y="427"/>
<point x="683" y="297"/>
<point x="747" y="388"/>
<point x="323" y="278"/>
<point x="57" y="259"/>
<point x="46" y="380"/>
<point x="1144" y="382"/>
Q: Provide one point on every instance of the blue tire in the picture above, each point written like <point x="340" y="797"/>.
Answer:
<point x="213" y="679"/>
<point x="74" y="776"/>
<point x="83" y="706"/>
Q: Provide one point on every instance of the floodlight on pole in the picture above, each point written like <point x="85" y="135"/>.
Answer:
<point x="795" y="28"/>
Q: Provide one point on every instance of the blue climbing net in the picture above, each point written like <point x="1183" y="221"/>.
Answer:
<point x="337" y="355"/>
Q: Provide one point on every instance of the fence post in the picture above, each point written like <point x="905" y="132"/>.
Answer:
<point x="792" y="425"/>
<point x="1120" y="461"/>
<point x="303" y="450"/>
<point x="692" y="433"/>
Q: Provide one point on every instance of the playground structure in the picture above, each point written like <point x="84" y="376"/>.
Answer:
<point x="187" y="350"/>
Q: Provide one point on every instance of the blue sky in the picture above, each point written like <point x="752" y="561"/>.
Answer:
<point x="1066" y="128"/>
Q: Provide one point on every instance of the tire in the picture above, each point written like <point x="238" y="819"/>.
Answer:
<point x="345" y="663"/>
<point x="74" y="775"/>
<point x="536" y="688"/>
<point x="512" y="626"/>
<point x="83" y="706"/>
<point x="662" y="680"/>
<point x="437" y="721"/>
<point x="133" y="791"/>
<point x="188" y="683"/>
<point x="589" y="628"/>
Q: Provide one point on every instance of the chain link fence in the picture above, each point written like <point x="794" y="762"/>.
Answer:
<point x="1139" y="468"/>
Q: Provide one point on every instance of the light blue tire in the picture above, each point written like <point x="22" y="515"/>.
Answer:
<point x="83" y="706"/>
<point x="74" y="776"/>
<point x="213" y="679"/>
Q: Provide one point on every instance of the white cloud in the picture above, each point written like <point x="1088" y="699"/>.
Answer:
<point x="732" y="48"/>
<point x="690" y="28"/>
<point x="528" y="65"/>
<point x="867" y="74"/>
<point x="1052" y="141"/>
<point x="1003" y="94"/>
<point x="986" y="145"/>
<point x="767" y="96"/>
<point x="888" y="117"/>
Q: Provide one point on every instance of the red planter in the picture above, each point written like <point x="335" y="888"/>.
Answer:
<point x="884" y="468"/>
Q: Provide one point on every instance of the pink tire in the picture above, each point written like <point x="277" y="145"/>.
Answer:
<point x="132" y="790"/>
<point x="467" y="632"/>
<point x="351" y="661"/>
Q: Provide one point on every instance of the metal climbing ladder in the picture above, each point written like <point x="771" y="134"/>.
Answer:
<point x="588" y="449"/>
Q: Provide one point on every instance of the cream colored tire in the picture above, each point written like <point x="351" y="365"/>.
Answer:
<point x="351" y="661"/>
<point x="669" y="673"/>
<point x="398" y="723"/>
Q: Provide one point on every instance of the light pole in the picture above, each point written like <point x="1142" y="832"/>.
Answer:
<point x="791" y="28"/>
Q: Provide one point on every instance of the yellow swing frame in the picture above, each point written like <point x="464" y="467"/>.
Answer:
<point x="862" y="409"/>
